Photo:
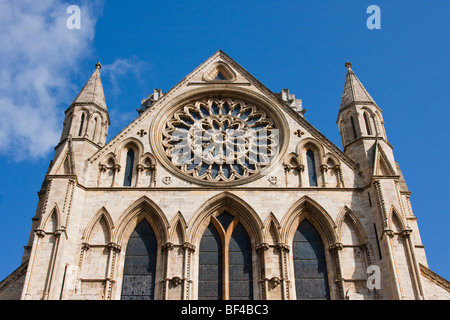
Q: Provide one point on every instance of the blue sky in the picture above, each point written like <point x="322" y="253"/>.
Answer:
<point x="299" y="45"/>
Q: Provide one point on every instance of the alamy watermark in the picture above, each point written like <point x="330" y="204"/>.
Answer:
<point x="374" y="20"/>
<point x="74" y="20"/>
<point x="374" y="280"/>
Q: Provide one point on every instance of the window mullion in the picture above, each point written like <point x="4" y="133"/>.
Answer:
<point x="226" y="259"/>
<point x="225" y="271"/>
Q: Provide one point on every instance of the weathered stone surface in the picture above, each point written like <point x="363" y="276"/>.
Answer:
<point x="360" y="207"/>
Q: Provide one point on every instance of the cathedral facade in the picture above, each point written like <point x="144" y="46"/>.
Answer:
<point x="221" y="189"/>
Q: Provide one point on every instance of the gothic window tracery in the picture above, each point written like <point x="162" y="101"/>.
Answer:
<point x="367" y="123"/>
<point x="311" y="279"/>
<point x="210" y="266"/>
<point x="81" y="124"/>
<point x="225" y="261"/>
<point x="220" y="76"/>
<point x="352" y="120"/>
<point x="311" y="164"/>
<point x="129" y="168"/>
<point x="220" y="140"/>
<point x="140" y="264"/>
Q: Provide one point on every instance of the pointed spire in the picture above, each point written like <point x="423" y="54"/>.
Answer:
<point x="92" y="91"/>
<point x="354" y="91"/>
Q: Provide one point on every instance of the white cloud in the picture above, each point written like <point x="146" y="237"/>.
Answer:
<point x="124" y="68"/>
<point x="38" y="56"/>
<point x="121" y="74"/>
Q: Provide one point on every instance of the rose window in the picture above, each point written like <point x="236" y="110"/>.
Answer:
<point x="220" y="139"/>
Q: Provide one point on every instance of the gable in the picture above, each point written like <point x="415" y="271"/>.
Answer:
<point x="226" y="91"/>
<point x="382" y="165"/>
<point x="63" y="163"/>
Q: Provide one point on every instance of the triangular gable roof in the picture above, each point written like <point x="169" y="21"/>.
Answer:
<point x="244" y="78"/>
<point x="381" y="165"/>
<point x="64" y="161"/>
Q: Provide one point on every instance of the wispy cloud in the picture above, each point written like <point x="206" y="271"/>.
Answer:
<point x="123" y="68"/>
<point x="118" y="77"/>
<point x="38" y="56"/>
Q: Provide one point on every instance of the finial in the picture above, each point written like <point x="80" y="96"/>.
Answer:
<point x="98" y="65"/>
<point x="348" y="65"/>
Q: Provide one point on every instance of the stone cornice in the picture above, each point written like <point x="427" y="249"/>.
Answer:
<point x="355" y="103"/>
<point x="93" y="104"/>
<point x="368" y="138"/>
<point x="78" y="139"/>
<point x="220" y="188"/>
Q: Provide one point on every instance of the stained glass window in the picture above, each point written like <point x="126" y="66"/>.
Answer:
<point x="311" y="279"/>
<point x="140" y="264"/>
<point x="129" y="168"/>
<point x="353" y="127"/>
<point x="366" y="120"/>
<point x="81" y="125"/>
<point x="210" y="264"/>
<point x="240" y="265"/>
<point x="227" y="257"/>
<point x="220" y="140"/>
<point x="220" y="76"/>
<point x="225" y="219"/>
<point x="312" y="176"/>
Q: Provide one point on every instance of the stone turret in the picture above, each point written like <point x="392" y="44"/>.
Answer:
<point x="85" y="127"/>
<point x="87" y="117"/>
<point x="361" y="127"/>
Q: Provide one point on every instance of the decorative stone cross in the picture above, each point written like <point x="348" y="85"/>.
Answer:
<point x="299" y="133"/>
<point x="142" y="133"/>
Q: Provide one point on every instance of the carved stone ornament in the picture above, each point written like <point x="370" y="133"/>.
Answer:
<point x="175" y="281"/>
<point x="39" y="232"/>
<point x="263" y="246"/>
<point x="189" y="246"/>
<point x="141" y="133"/>
<point x="167" y="246"/>
<point x="166" y="180"/>
<point x="283" y="247"/>
<point x="220" y="140"/>
<point x="114" y="246"/>
<point x="272" y="179"/>
<point x="275" y="281"/>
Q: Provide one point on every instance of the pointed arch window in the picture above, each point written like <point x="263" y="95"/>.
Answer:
<point x="225" y="261"/>
<point x="353" y="127"/>
<point x="240" y="265"/>
<point x="220" y="72"/>
<point x="129" y="168"/>
<point x="81" y="125"/>
<point x="312" y="176"/>
<point x="140" y="264"/>
<point x="210" y="262"/>
<point x="94" y="132"/>
<point x="366" y="121"/>
<point x="311" y="279"/>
